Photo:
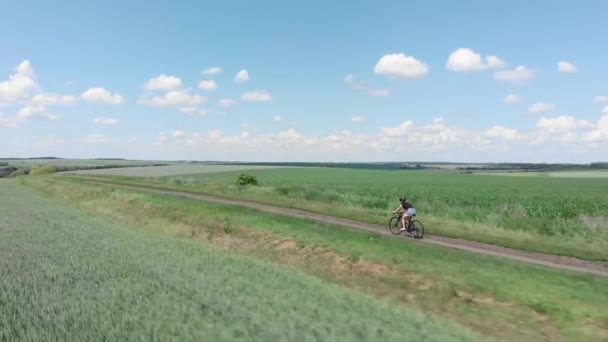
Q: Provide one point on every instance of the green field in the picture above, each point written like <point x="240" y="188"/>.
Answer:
<point x="65" y="275"/>
<point x="171" y="170"/>
<point x="494" y="297"/>
<point x="557" y="174"/>
<point x="553" y="215"/>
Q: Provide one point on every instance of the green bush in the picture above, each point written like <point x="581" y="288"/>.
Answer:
<point x="42" y="170"/>
<point x="245" y="179"/>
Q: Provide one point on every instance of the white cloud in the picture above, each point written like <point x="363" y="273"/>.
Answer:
<point x="49" y="99"/>
<point x="194" y="110"/>
<point x="207" y="85"/>
<point x="212" y="71"/>
<point x="95" y="139"/>
<point x="33" y="112"/>
<point x="226" y="102"/>
<point x="480" y="141"/>
<point x="290" y="135"/>
<point x="512" y="99"/>
<point x="20" y="84"/>
<point x="164" y="82"/>
<point x="435" y="139"/>
<point x="435" y="136"/>
<point x="101" y="95"/>
<point x="437" y="125"/>
<point x="566" y="67"/>
<point x="358" y="118"/>
<point x="256" y="96"/>
<point x="518" y="75"/>
<point x="105" y="121"/>
<point x="600" y="133"/>
<point x="178" y="134"/>
<point x="27" y="113"/>
<point x="277" y="118"/>
<point x="177" y="98"/>
<point x="494" y="62"/>
<point x="360" y="86"/>
<point x="565" y="129"/>
<point x="398" y="131"/>
<point x="467" y="60"/>
<point x="17" y="91"/>
<point x="540" y="107"/>
<point x="503" y="133"/>
<point x="600" y="99"/>
<point x="242" y="76"/>
<point x="399" y="65"/>
<point x="562" y="123"/>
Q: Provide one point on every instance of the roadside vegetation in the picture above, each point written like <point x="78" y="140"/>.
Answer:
<point x="565" y="216"/>
<point x="496" y="298"/>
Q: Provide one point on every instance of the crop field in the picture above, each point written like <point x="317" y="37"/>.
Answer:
<point x="557" y="174"/>
<point x="511" y="174"/>
<point x="580" y="174"/>
<point x="78" y="162"/>
<point x="67" y="275"/>
<point x="170" y="170"/>
<point x="555" y="215"/>
<point x="496" y="298"/>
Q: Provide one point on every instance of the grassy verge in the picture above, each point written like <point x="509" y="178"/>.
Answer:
<point x="578" y="241"/>
<point x="497" y="298"/>
<point x="67" y="275"/>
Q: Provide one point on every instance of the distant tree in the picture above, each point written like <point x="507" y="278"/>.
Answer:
<point x="245" y="179"/>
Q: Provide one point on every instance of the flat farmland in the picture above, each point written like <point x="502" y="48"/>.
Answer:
<point x="580" y="174"/>
<point x="494" y="297"/>
<point x="80" y="162"/>
<point x="564" y="216"/>
<point x="556" y="174"/>
<point x="68" y="275"/>
<point x="171" y="170"/>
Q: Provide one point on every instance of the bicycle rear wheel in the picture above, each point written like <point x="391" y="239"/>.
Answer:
<point x="417" y="229"/>
<point x="394" y="225"/>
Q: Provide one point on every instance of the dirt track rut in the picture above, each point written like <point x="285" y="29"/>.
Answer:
<point x="547" y="260"/>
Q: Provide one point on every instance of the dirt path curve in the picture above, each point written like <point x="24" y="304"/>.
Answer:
<point x="548" y="260"/>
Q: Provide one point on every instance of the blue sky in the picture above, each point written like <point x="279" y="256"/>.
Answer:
<point x="344" y="81"/>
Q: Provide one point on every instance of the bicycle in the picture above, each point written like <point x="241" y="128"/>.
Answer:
<point x="415" y="227"/>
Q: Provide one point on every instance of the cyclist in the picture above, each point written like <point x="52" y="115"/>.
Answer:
<point x="407" y="210"/>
